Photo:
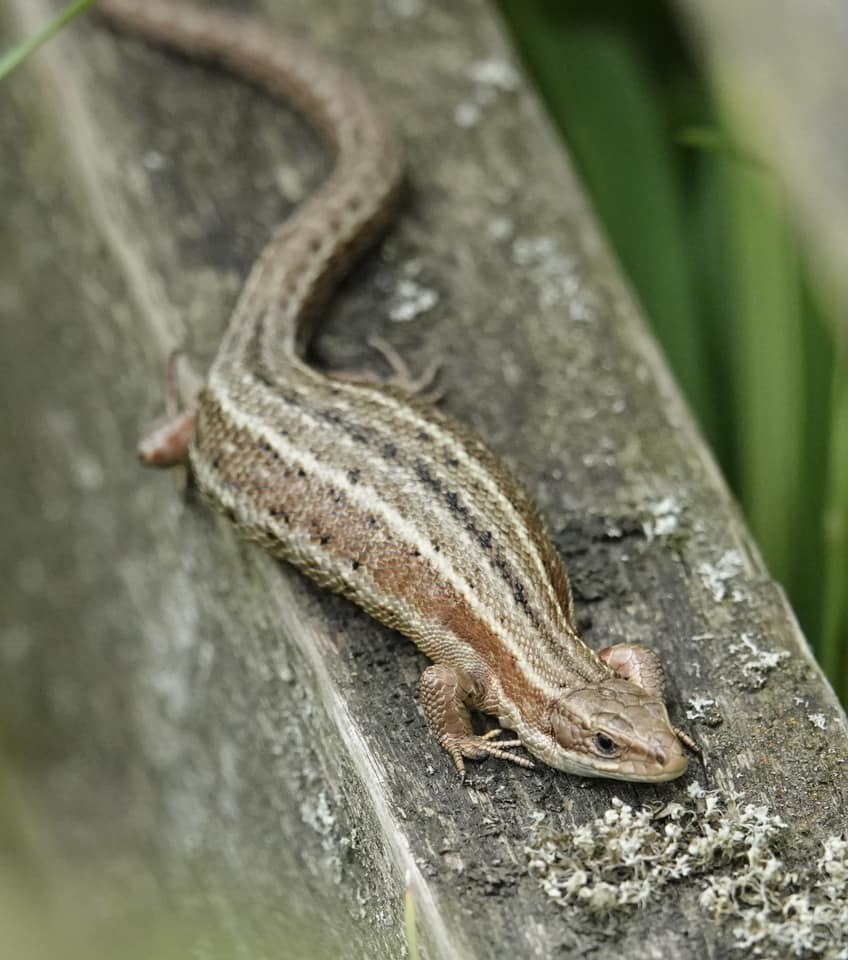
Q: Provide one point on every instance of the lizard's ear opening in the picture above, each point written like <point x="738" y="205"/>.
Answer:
<point x="567" y="723"/>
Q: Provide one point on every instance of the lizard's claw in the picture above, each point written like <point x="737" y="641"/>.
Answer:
<point x="478" y="747"/>
<point x="687" y="741"/>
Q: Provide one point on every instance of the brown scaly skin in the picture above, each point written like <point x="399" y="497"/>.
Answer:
<point x="380" y="497"/>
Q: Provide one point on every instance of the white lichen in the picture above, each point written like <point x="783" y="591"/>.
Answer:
<point x="716" y="575"/>
<point x="700" y="708"/>
<point x="410" y="299"/>
<point x="467" y="114"/>
<point x="316" y="813"/>
<point x="501" y="228"/>
<point x="154" y="161"/>
<point x="495" y="72"/>
<point x="664" y="519"/>
<point x="406" y="9"/>
<point x="490" y="78"/>
<point x="756" y="662"/>
<point x="628" y="857"/>
<point x="554" y="274"/>
<point x="805" y="916"/>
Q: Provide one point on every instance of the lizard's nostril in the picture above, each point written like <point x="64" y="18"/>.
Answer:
<point x="660" y="757"/>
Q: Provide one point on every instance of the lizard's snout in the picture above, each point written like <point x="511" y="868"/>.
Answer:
<point x="615" y="729"/>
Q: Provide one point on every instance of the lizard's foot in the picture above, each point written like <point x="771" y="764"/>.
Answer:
<point x="446" y="694"/>
<point x="423" y="387"/>
<point x="478" y="747"/>
<point x="166" y="443"/>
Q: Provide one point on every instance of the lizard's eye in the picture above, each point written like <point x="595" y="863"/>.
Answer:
<point x="605" y="746"/>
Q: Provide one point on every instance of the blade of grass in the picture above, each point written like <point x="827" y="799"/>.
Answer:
<point x="14" y="57"/>
<point x="610" y="109"/>
<point x="765" y="338"/>
<point x="409" y="921"/>
<point x="833" y="652"/>
<point x="817" y="438"/>
<point x="710" y="259"/>
<point x="717" y="141"/>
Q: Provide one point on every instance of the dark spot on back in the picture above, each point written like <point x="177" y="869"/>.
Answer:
<point x="330" y="416"/>
<point x="422" y="471"/>
<point x="520" y="596"/>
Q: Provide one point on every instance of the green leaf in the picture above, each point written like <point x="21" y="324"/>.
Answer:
<point x="833" y="649"/>
<point x="14" y="57"/>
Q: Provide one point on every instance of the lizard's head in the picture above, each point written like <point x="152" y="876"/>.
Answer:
<point x="615" y="729"/>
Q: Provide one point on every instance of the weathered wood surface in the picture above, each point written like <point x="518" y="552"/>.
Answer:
<point x="193" y="723"/>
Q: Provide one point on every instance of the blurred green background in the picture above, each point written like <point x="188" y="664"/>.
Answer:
<point x="700" y="224"/>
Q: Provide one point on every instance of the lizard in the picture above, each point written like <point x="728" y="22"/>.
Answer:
<point x="376" y="494"/>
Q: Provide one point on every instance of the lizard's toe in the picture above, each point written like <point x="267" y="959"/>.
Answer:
<point x="478" y="747"/>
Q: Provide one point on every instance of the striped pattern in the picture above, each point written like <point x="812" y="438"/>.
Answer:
<point x="372" y="494"/>
<point x="400" y="510"/>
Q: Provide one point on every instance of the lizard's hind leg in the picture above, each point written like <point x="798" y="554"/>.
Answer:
<point x="166" y="443"/>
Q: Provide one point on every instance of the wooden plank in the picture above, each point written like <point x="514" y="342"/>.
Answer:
<point x="193" y="724"/>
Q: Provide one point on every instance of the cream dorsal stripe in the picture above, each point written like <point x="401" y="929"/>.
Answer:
<point x="366" y="500"/>
<point x="472" y="577"/>
<point x="443" y="510"/>
<point x="508" y="513"/>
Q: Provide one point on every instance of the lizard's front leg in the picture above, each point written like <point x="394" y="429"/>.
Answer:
<point x="447" y="696"/>
<point x="644" y="667"/>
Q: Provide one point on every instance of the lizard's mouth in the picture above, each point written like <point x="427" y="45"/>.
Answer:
<point x="642" y="773"/>
<point x="634" y="769"/>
